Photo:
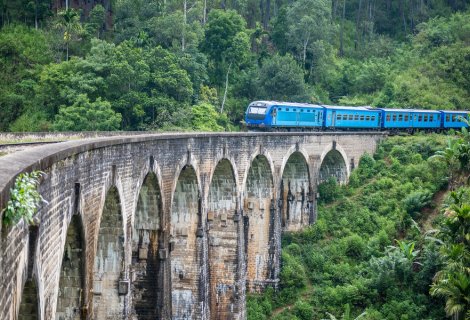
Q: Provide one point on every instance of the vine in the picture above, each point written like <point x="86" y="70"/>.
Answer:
<point x="24" y="199"/>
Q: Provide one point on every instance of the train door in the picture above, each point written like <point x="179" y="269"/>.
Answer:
<point x="333" y="119"/>
<point x="274" y="114"/>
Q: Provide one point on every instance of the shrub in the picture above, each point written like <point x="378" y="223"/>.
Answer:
<point x="303" y="310"/>
<point x="24" y="199"/>
<point x="329" y="190"/>
<point x="354" y="246"/>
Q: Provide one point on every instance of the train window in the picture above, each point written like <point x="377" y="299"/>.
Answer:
<point x="431" y="118"/>
<point x="454" y="118"/>
<point x="345" y="117"/>
<point x="367" y="118"/>
<point x="406" y="117"/>
<point x="356" y="117"/>
<point x="425" y="118"/>
<point x="295" y="110"/>
<point x="362" y="118"/>
<point x="447" y="118"/>
<point x="420" y="118"/>
<point x="438" y="117"/>
<point x="388" y="117"/>
<point x="338" y="117"/>
<point x="287" y="109"/>
<point x="394" y="117"/>
<point x="372" y="118"/>
<point x="400" y="117"/>
<point x="257" y="110"/>
<point x="351" y="117"/>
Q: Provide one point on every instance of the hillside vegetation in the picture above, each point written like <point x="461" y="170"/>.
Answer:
<point x="196" y="64"/>
<point x="381" y="241"/>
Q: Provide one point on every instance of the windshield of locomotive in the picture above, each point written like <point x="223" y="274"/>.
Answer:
<point x="257" y="110"/>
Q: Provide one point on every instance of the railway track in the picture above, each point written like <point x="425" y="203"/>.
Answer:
<point x="4" y="146"/>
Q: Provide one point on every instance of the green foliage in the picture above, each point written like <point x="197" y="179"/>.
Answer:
<point x="416" y="201"/>
<point x="452" y="282"/>
<point x="206" y="118"/>
<point x="360" y="252"/>
<point x="280" y="78"/>
<point x="84" y="115"/>
<point x="24" y="199"/>
<point x="329" y="190"/>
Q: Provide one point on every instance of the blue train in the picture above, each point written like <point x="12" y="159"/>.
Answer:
<point x="290" y="116"/>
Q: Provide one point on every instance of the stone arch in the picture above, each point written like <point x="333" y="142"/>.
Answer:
<point x="222" y="225"/>
<point x="146" y="240"/>
<point x="294" y="191"/>
<point x="29" y="305"/>
<point x="70" y="297"/>
<point x="186" y="239"/>
<point x="333" y="164"/>
<point x="109" y="286"/>
<point x="258" y="207"/>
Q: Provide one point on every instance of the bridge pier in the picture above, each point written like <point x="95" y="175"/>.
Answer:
<point x="168" y="226"/>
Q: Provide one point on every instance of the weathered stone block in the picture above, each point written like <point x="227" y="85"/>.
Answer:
<point x="210" y="215"/>
<point x="143" y="253"/>
<point x="123" y="288"/>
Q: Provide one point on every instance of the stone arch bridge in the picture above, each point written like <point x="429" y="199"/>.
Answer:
<point x="170" y="226"/>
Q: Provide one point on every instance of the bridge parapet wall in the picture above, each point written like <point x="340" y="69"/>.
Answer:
<point x="80" y="173"/>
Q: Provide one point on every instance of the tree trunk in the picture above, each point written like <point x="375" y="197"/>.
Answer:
<point x="341" y="49"/>
<point x="204" y="12"/>
<point x="226" y="88"/>
<point x="268" y="14"/>
<point x="402" y="11"/>
<point x="36" y="26"/>
<point x="358" y="16"/>
<point x="185" y="3"/>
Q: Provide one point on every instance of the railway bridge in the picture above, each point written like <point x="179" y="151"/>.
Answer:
<point x="169" y="226"/>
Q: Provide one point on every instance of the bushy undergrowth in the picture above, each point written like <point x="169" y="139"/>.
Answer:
<point x="366" y="251"/>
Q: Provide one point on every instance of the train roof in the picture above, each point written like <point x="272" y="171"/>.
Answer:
<point x="293" y="104"/>
<point x="408" y="110"/>
<point x="348" y="108"/>
<point x="455" y="111"/>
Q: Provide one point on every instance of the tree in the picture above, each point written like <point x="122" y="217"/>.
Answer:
<point x="308" y="21"/>
<point x="206" y="118"/>
<point x="453" y="281"/>
<point x="23" y="54"/>
<point x="226" y="42"/>
<point x="68" y="22"/>
<point x="281" y="78"/>
<point x="96" y="21"/>
<point x="84" y="115"/>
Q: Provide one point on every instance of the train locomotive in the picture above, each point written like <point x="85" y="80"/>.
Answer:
<point x="290" y="116"/>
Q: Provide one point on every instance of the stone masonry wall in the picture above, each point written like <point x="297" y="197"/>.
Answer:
<point x="201" y="245"/>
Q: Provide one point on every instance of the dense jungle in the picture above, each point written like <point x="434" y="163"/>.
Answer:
<point x="394" y="243"/>
<point x="196" y="64"/>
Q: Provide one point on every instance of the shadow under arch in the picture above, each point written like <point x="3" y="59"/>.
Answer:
<point x="294" y="192"/>
<point x="146" y="240"/>
<point x="29" y="305"/>
<point x="186" y="238"/>
<point x="259" y="207"/>
<point x="222" y="226"/>
<point x="108" y="296"/>
<point x="71" y="297"/>
<point x="333" y="165"/>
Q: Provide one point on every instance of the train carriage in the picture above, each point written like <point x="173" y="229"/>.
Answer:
<point x="453" y="119"/>
<point x="283" y="115"/>
<point x="410" y="119"/>
<point x="352" y="117"/>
